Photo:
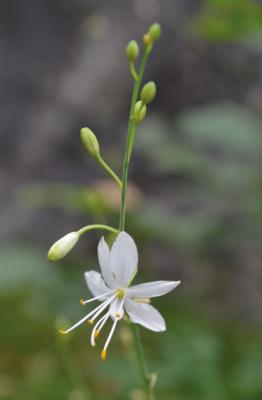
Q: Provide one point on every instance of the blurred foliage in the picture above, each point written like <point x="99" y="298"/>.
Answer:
<point x="197" y="358"/>
<point x="222" y="20"/>
<point x="216" y="157"/>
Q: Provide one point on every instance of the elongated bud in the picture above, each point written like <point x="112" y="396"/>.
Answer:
<point x="139" y="112"/>
<point x="132" y="51"/>
<point x="62" y="246"/>
<point x="154" y="32"/>
<point x="148" y="92"/>
<point x="90" y="141"/>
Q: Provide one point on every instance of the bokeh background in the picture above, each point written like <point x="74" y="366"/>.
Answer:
<point x="195" y="201"/>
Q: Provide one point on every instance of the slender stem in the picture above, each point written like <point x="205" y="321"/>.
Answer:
<point x="128" y="152"/>
<point x="133" y="71"/>
<point x="109" y="170"/>
<point x="96" y="226"/>
<point x="130" y="137"/>
<point x="141" y="356"/>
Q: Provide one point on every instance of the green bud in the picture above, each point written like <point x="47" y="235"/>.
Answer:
<point x="148" y="92"/>
<point x="154" y="32"/>
<point x="132" y="51"/>
<point x="62" y="246"/>
<point x="90" y="141"/>
<point x="139" y="112"/>
<point x="147" y="39"/>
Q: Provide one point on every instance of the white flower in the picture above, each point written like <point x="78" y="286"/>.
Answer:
<point x="118" y="268"/>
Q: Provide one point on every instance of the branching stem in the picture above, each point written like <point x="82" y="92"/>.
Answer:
<point x="109" y="170"/>
<point x="88" y="228"/>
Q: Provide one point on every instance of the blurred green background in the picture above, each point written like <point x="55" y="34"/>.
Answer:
<point x="195" y="200"/>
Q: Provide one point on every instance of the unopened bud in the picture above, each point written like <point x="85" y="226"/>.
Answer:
<point x="139" y="112"/>
<point x="62" y="246"/>
<point x="148" y="92"/>
<point x="154" y="32"/>
<point x="90" y="141"/>
<point x="146" y="39"/>
<point x="132" y="51"/>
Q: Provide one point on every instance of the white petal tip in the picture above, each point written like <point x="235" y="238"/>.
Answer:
<point x="175" y="284"/>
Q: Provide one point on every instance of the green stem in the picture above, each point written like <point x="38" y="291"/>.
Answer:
<point x="96" y="226"/>
<point x="109" y="170"/>
<point x="130" y="137"/>
<point x="128" y="152"/>
<point x="141" y="357"/>
<point x="133" y="71"/>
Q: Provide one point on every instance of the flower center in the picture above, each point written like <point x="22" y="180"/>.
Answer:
<point x="120" y="293"/>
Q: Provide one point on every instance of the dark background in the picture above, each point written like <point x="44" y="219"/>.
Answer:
<point x="195" y="198"/>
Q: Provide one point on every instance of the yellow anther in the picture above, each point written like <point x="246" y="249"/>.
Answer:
<point x="120" y="293"/>
<point x="103" y="355"/>
<point x="90" y="322"/>
<point x="82" y="302"/>
<point x="97" y="333"/>
<point x="63" y="332"/>
<point x="118" y="315"/>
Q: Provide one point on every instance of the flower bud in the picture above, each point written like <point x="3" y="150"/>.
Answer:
<point x="139" y="112"/>
<point x="154" y="32"/>
<point x="148" y="92"/>
<point x="90" y="141"/>
<point x="146" y="39"/>
<point x="132" y="51"/>
<point x="62" y="246"/>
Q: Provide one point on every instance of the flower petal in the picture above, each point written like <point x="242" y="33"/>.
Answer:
<point x="104" y="262"/>
<point x="96" y="284"/>
<point x="151" y="289"/>
<point x="145" y="315"/>
<point x="123" y="258"/>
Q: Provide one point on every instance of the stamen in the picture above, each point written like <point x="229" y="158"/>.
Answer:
<point x="118" y="315"/>
<point x="98" y="326"/>
<point x="142" y="301"/>
<point x="82" y="302"/>
<point x="103" y="355"/>
<point x="90" y="322"/>
<point x="97" y="311"/>
<point x="102" y="307"/>
<point x="120" y="309"/>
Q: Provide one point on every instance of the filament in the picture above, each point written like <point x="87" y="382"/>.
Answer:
<point x="97" y="311"/>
